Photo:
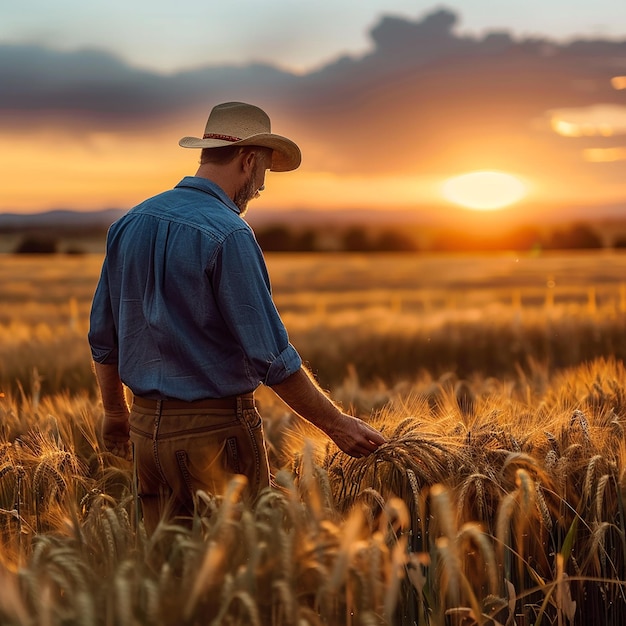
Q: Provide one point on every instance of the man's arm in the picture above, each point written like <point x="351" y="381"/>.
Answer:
<point x="304" y="396"/>
<point x="115" y="426"/>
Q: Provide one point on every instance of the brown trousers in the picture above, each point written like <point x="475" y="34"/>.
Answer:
<point x="181" y="448"/>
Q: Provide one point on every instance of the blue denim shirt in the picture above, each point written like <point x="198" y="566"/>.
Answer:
<point x="184" y="305"/>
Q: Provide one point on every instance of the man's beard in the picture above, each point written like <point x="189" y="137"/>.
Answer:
<point x="244" y="194"/>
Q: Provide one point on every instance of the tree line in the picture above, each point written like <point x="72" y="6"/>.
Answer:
<point x="400" y="238"/>
<point x="578" y="236"/>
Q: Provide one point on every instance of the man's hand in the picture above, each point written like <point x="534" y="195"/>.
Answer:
<point x="354" y="436"/>
<point x="115" y="426"/>
<point x="115" y="434"/>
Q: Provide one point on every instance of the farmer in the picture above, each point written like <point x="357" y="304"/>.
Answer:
<point x="183" y="316"/>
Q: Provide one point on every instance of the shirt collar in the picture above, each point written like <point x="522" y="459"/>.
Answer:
<point x="208" y="186"/>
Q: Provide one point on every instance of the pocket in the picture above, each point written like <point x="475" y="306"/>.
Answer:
<point x="201" y="464"/>
<point x="196" y="477"/>
<point x="209" y="461"/>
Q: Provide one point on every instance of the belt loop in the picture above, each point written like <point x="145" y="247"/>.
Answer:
<point x="239" y="405"/>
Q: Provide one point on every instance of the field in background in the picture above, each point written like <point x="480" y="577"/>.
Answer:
<point x="379" y="316"/>
<point x="499" y="498"/>
<point x="423" y="282"/>
<point x="357" y="280"/>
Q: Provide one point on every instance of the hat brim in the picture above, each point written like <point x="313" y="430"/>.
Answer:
<point x="286" y="155"/>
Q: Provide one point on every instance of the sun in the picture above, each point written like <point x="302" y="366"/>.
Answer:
<point x="484" y="190"/>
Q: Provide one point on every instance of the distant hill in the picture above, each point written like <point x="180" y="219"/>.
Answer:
<point x="62" y="219"/>
<point x="432" y="216"/>
<point x="59" y="219"/>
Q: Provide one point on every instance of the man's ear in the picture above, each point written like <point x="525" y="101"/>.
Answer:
<point x="248" y="160"/>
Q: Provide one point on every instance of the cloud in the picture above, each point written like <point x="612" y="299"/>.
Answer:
<point x="424" y="99"/>
<point x="94" y="86"/>
<point x="39" y="81"/>
<point x="455" y="99"/>
<point x="599" y="119"/>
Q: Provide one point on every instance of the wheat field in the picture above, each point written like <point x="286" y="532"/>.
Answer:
<point x="499" y="498"/>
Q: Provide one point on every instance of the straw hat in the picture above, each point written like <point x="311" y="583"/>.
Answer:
<point x="237" y="123"/>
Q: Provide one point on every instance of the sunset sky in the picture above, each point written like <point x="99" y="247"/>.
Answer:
<point x="388" y="99"/>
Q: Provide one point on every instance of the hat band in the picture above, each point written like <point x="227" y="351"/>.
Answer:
<point x="222" y="137"/>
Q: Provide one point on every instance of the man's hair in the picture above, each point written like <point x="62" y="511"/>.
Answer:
<point x="223" y="156"/>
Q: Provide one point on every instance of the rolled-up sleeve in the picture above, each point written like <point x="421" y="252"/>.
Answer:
<point x="243" y="293"/>
<point x="284" y="365"/>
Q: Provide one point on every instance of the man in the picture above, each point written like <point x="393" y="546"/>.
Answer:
<point x="183" y="316"/>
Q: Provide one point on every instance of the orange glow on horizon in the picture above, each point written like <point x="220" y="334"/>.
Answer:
<point x="309" y="189"/>
<point x="108" y="170"/>
<point x="47" y="169"/>
<point x="93" y="172"/>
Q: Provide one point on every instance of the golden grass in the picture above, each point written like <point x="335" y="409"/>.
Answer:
<point x="465" y="512"/>
<point x="498" y="498"/>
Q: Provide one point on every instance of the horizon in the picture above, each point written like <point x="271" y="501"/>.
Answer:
<point x="551" y="215"/>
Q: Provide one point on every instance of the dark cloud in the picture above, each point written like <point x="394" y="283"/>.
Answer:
<point x="37" y="80"/>
<point x="95" y="86"/>
<point x="453" y="99"/>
